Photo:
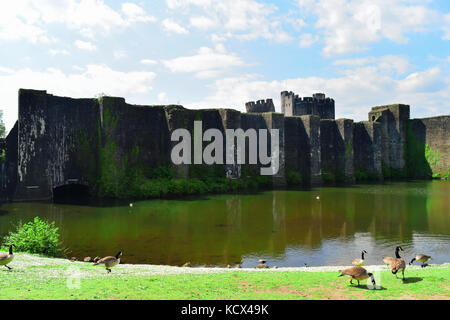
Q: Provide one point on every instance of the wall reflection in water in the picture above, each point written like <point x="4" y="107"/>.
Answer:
<point x="289" y="228"/>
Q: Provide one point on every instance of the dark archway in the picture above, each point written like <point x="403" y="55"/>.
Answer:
<point x="71" y="193"/>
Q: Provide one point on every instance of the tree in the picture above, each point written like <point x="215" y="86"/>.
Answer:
<point x="2" y="125"/>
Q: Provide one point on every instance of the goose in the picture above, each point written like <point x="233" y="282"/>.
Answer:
<point x="6" y="259"/>
<point x="398" y="264"/>
<point x="262" y="264"/>
<point x="109" y="261"/>
<point x="421" y="258"/>
<point x="358" y="274"/>
<point x="387" y="260"/>
<point x="360" y="262"/>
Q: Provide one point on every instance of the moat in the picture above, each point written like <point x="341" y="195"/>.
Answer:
<point x="288" y="228"/>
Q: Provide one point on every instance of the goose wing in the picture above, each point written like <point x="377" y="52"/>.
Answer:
<point x="398" y="264"/>
<point x="354" y="271"/>
<point x="106" y="260"/>
<point x="4" y="257"/>
<point x="387" y="260"/>
<point x="422" y="257"/>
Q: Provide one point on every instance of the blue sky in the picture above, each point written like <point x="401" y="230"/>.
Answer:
<point x="210" y="53"/>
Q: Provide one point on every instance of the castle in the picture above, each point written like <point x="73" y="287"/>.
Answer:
<point x="59" y="141"/>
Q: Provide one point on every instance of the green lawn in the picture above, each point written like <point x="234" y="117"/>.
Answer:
<point x="40" y="278"/>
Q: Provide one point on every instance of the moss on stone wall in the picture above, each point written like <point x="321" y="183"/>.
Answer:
<point x="364" y="175"/>
<point x="293" y="177"/>
<point x="419" y="156"/>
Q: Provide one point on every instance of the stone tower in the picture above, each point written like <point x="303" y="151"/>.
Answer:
<point x="317" y="105"/>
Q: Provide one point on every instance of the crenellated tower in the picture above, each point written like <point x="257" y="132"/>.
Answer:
<point x="317" y="105"/>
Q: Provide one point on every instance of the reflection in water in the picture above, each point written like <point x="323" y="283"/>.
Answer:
<point x="288" y="228"/>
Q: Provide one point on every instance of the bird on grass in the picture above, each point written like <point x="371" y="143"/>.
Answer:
<point x="387" y="260"/>
<point x="360" y="262"/>
<point x="397" y="264"/>
<point x="6" y="259"/>
<point x="109" y="261"/>
<point x="421" y="258"/>
<point x="358" y="274"/>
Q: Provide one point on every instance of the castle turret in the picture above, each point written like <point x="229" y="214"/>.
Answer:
<point x="318" y="105"/>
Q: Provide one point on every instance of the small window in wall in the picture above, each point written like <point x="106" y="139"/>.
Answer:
<point x="373" y="118"/>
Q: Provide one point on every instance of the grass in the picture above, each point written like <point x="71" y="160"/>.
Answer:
<point x="35" y="277"/>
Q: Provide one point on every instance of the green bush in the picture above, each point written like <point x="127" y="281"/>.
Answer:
<point x="37" y="236"/>
<point x="293" y="178"/>
<point x="328" y="177"/>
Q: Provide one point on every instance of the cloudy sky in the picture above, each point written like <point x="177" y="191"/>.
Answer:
<point x="211" y="53"/>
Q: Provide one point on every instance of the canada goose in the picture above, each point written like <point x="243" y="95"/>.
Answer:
<point x="360" y="262"/>
<point x="398" y="263"/>
<point x="421" y="258"/>
<point x="6" y="259"/>
<point x="387" y="260"/>
<point x="262" y="264"/>
<point x="110" y="262"/>
<point x="358" y="274"/>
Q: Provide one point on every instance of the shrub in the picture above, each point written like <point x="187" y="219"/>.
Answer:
<point x="293" y="178"/>
<point x="37" y="236"/>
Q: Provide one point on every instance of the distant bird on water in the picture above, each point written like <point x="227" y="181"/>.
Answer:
<point x="6" y="259"/>
<point x="360" y="262"/>
<point x="109" y="261"/>
<point x="421" y="258"/>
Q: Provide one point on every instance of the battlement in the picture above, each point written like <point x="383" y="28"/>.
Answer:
<point x="260" y="106"/>
<point x="318" y="104"/>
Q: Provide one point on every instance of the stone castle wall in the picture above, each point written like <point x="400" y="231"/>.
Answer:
<point x="59" y="141"/>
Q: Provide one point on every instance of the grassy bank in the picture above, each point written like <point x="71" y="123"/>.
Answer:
<point x="34" y="277"/>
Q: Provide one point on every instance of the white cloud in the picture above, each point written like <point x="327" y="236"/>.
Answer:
<point x="85" y="45"/>
<point x="162" y="97"/>
<point x="446" y="27"/>
<point x="55" y="52"/>
<point x="307" y="40"/>
<point x="389" y="63"/>
<point x="84" y="82"/>
<point x="207" y="63"/>
<point x="134" y="13"/>
<point x="355" y="91"/>
<point x="350" y="25"/>
<point x="241" y="19"/>
<point x="149" y="62"/>
<point x="171" y="26"/>
<point x="28" y="19"/>
<point x="120" y="54"/>
<point x="202" y="22"/>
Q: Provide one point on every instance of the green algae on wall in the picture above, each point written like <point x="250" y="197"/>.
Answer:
<point x="419" y="156"/>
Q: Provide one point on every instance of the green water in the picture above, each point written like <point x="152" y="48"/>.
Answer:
<point x="288" y="228"/>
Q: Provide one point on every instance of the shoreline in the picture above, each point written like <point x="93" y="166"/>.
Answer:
<point x="26" y="259"/>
